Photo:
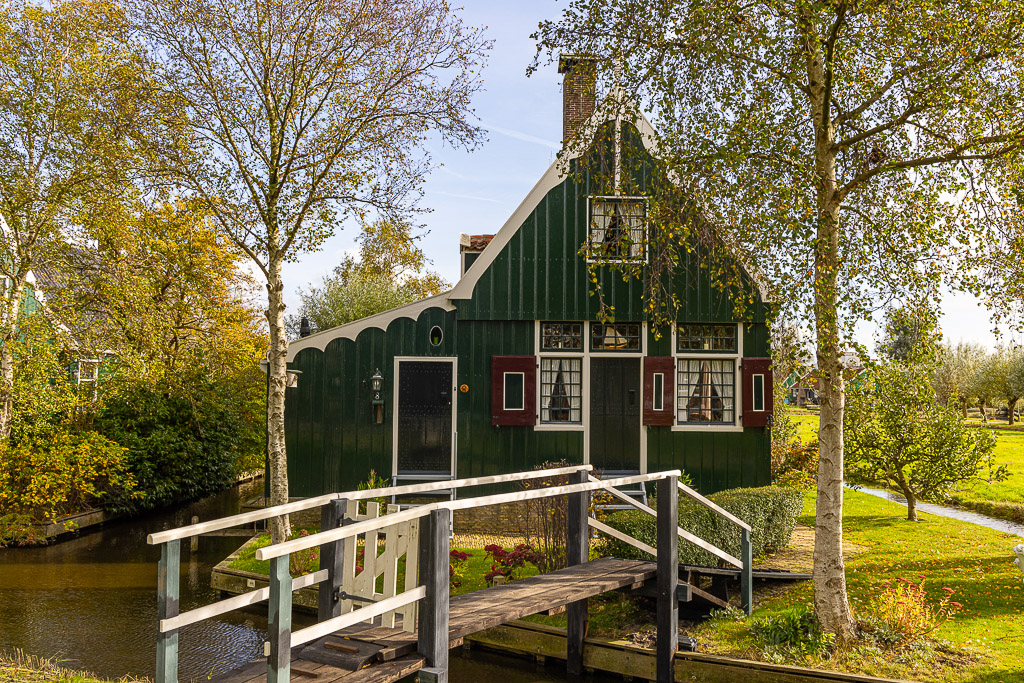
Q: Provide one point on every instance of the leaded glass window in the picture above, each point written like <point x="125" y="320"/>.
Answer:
<point x="617" y="229"/>
<point x="561" y="336"/>
<point x="615" y="337"/>
<point x="697" y="337"/>
<point x="561" y="390"/>
<point x="706" y="391"/>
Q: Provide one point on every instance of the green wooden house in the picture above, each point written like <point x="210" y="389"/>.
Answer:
<point x="512" y="368"/>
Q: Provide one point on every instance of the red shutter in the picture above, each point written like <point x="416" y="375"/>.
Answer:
<point x="751" y="368"/>
<point x="667" y="367"/>
<point x="501" y="365"/>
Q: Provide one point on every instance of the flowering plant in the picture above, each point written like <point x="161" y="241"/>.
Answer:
<point x="456" y="571"/>
<point x="902" y="608"/>
<point x="507" y="562"/>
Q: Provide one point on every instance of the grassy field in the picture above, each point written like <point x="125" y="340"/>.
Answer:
<point x="985" y="642"/>
<point x="1003" y="499"/>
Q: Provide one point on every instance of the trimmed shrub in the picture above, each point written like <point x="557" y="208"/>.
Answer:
<point x="771" y="512"/>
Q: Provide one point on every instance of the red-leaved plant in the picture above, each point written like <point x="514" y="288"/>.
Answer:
<point x="456" y="570"/>
<point x="507" y="563"/>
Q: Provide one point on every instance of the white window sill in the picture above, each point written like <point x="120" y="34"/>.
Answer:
<point x="706" y="428"/>
<point x="559" y="427"/>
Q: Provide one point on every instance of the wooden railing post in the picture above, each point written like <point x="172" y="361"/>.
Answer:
<point x="432" y="638"/>
<point x="668" y="578"/>
<point x="168" y="575"/>
<point x="577" y="552"/>
<point x="332" y="558"/>
<point x="279" y="659"/>
<point x="746" y="574"/>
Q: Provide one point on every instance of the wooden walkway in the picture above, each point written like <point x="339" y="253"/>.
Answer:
<point x="390" y="654"/>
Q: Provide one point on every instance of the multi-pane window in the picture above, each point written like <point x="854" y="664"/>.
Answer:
<point x="617" y="229"/>
<point x="702" y="337"/>
<point x="706" y="391"/>
<point x="561" y="390"/>
<point x="561" y="336"/>
<point x="615" y="337"/>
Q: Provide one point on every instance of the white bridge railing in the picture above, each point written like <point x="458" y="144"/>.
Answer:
<point x="337" y="543"/>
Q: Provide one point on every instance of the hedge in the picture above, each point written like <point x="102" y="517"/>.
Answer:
<point x="771" y="512"/>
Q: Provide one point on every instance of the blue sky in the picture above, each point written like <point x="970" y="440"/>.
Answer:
<point x="476" y="192"/>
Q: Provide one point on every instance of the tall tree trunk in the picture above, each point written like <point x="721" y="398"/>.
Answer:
<point x="1011" y="406"/>
<point x="280" y="528"/>
<point x="831" y="602"/>
<point x="9" y="322"/>
<point x="984" y="414"/>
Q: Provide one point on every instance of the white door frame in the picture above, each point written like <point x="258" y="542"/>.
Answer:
<point x="454" y="394"/>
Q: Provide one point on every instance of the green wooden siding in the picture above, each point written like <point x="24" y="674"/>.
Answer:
<point x="538" y="275"/>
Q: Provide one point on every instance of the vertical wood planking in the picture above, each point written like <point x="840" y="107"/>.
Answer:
<point x="394" y="538"/>
<point x="280" y="621"/>
<point x="668" y="578"/>
<point x="432" y="641"/>
<point x="332" y="558"/>
<point x="412" y="556"/>
<point x="168" y="575"/>
<point x="577" y="552"/>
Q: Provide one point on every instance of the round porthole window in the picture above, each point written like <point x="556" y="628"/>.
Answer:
<point x="436" y="335"/>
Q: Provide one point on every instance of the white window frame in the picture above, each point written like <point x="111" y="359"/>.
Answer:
<point x="589" y="248"/>
<point x="737" y="358"/>
<point x="658" y="393"/>
<point x="755" y="397"/>
<point x="504" y="391"/>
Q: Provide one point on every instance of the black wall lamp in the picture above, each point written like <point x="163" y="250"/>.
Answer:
<point x="377" y="385"/>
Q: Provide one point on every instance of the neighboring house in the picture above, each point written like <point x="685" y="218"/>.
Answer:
<point x="805" y="386"/>
<point x="511" y="368"/>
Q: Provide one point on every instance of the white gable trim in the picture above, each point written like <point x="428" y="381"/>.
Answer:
<point x="351" y="330"/>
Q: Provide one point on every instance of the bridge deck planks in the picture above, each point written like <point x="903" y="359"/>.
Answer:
<point x="470" y="613"/>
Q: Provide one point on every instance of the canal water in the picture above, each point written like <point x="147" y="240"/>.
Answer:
<point x="953" y="513"/>
<point x="91" y="601"/>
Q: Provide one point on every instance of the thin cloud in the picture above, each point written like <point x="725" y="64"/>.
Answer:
<point x="468" y="196"/>
<point x="518" y="135"/>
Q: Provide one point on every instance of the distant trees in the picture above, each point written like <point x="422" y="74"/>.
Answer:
<point x="966" y="374"/>
<point x="391" y="271"/>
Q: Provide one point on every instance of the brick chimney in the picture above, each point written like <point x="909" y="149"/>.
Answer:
<point x="578" y="91"/>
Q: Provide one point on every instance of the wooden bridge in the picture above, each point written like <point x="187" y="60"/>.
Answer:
<point x="345" y="645"/>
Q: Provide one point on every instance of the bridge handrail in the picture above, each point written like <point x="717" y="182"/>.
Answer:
<point x="159" y="537"/>
<point x="722" y="512"/>
<point x="683" y="533"/>
<point x="306" y="542"/>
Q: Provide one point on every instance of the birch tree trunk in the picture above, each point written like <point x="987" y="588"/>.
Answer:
<point x="831" y="602"/>
<point x="12" y="310"/>
<point x="280" y="528"/>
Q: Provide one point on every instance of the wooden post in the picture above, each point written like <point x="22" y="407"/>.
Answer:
<point x="746" y="575"/>
<point x="668" y="578"/>
<point x="279" y="659"/>
<point x="332" y="558"/>
<point x="577" y="552"/>
<point x="168" y="574"/>
<point x="194" y="542"/>
<point x="433" y="623"/>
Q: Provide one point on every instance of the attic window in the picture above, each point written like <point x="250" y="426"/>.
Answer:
<point x="617" y="229"/>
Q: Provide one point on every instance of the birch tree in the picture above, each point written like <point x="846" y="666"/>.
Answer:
<point x="72" y="114"/>
<point x="305" y="114"/>
<point x="840" y="149"/>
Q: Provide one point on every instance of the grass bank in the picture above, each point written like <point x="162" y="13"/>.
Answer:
<point x="1004" y="499"/>
<point x="984" y="643"/>
<point x="18" y="667"/>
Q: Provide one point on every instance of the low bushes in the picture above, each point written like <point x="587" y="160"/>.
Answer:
<point x="771" y="512"/>
<point x="57" y="472"/>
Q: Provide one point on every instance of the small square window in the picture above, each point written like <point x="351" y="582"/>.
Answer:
<point x="617" y="229"/>
<point x="566" y="336"/>
<point x="615" y="337"/>
<point x="713" y="338"/>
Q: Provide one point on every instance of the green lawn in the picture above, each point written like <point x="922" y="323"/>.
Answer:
<point x="974" y="561"/>
<point x="1000" y="499"/>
